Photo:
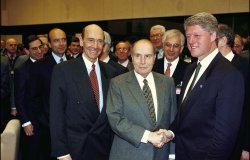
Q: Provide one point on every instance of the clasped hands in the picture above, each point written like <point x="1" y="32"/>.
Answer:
<point x="160" y="137"/>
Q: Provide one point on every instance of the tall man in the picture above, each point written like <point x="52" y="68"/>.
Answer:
<point x="171" y="65"/>
<point x="78" y="120"/>
<point x="136" y="121"/>
<point x="208" y="120"/>
<point x="30" y="135"/>
<point x="40" y="86"/>
<point x="225" y="44"/>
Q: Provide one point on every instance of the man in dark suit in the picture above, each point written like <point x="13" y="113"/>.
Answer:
<point x="209" y="116"/>
<point x="225" y="44"/>
<point x="138" y="135"/>
<point x="78" y="120"/>
<point x="40" y="86"/>
<point x="171" y="65"/>
<point x="104" y="56"/>
<point x="29" y="141"/>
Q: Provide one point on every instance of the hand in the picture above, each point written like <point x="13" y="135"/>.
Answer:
<point x="167" y="136"/>
<point x="28" y="130"/>
<point x="13" y="112"/>
<point x="156" y="138"/>
<point x="244" y="155"/>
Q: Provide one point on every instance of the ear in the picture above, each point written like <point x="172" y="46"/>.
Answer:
<point x="213" y="36"/>
<point x="26" y="51"/>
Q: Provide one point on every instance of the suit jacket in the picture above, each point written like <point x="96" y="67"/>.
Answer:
<point x="17" y="63"/>
<point x="5" y="78"/>
<point x="119" y="68"/>
<point x="77" y="127"/>
<point x="129" y="116"/>
<point x="207" y="126"/>
<point x="40" y="88"/>
<point x="177" y="75"/>
<point x="242" y="65"/>
<point x="22" y="79"/>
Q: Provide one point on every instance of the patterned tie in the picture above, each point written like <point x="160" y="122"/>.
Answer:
<point x="94" y="84"/>
<point x="148" y="95"/>
<point x="197" y="69"/>
<point x="167" y="72"/>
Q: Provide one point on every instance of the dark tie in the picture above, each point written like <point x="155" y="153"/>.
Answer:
<point x="94" y="84"/>
<point x="148" y="95"/>
<point x="61" y="60"/>
<point x="197" y="69"/>
<point x="167" y="72"/>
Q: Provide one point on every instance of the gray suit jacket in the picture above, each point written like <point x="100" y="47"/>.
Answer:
<point x="129" y="117"/>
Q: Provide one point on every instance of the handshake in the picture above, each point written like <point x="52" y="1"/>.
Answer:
<point x="160" y="137"/>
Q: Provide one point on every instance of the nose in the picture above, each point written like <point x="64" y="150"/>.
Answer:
<point x="142" y="59"/>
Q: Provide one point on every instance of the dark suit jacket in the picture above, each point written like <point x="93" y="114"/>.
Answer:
<point x="119" y="68"/>
<point x="177" y="75"/>
<point x="77" y="127"/>
<point x="5" y="78"/>
<point x="5" y="92"/>
<point x="40" y="88"/>
<point x="242" y="65"/>
<point x="207" y="125"/>
<point x="22" y="79"/>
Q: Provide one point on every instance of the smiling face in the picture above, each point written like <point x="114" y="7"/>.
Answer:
<point x="143" y="57"/>
<point x="199" y="41"/>
<point x="172" y="48"/>
<point x="93" y="42"/>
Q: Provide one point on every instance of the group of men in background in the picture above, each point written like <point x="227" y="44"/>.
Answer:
<point x="82" y="102"/>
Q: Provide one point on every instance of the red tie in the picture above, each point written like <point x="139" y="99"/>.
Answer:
<point x="94" y="84"/>
<point x="167" y="72"/>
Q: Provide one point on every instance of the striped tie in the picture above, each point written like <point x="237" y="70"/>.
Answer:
<point x="148" y="95"/>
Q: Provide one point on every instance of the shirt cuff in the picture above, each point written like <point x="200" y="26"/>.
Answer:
<point x="61" y="157"/>
<point x="145" y="136"/>
<point x="26" y="124"/>
<point x="172" y="134"/>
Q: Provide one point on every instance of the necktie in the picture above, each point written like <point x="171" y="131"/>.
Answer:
<point x="148" y="95"/>
<point x="167" y="72"/>
<point x="197" y="69"/>
<point x="61" y="60"/>
<point x="94" y="84"/>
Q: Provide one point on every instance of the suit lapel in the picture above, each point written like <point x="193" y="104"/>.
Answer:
<point x="137" y="93"/>
<point x="159" y="94"/>
<point x="199" y="86"/>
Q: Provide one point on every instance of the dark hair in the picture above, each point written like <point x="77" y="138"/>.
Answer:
<point x="30" y="39"/>
<point x="225" y="30"/>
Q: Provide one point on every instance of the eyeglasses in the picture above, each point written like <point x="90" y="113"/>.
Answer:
<point x="122" y="49"/>
<point x="92" y="41"/>
<point x="34" y="49"/>
<point x="158" y="35"/>
<point x="174" y="45"/>
<point x="237" y="46"/>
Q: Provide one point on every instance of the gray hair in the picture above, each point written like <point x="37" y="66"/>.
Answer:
<point x="206" y="20"/>
<point x="171" y="33"/>
<point x="107" y="38"/>
<point x="162" y="28"/>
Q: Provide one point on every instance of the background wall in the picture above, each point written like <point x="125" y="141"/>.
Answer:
<point x="27" y="12"/>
